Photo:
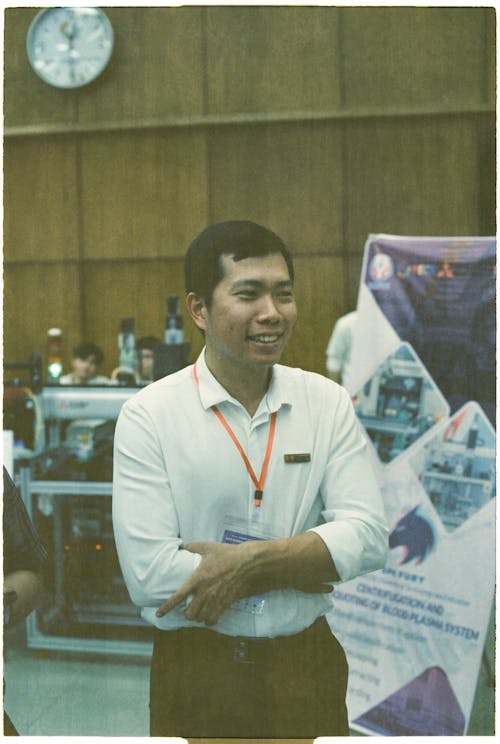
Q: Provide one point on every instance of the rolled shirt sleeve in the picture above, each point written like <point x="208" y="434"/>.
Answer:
<point x="355" y="529"/>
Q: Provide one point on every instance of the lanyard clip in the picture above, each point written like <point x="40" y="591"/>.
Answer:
<point x="257" y="497"/>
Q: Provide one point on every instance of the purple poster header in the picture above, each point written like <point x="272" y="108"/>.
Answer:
<point x="439" y="296"/>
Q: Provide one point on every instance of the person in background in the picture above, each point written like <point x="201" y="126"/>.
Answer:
<point x="23" y="557"/>
<point x="145" y="347"/>
<point x="87" y="357"/>
<point x="242" y="490"/>
<point x="339" y="349"/>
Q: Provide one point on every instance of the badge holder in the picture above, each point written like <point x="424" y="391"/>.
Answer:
<point x="235" y="532"/>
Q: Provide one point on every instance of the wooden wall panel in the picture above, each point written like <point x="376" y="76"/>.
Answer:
<point x="156" y="68"/>
<point x="287" y="177"/>
<point x="96" y="221"/>
<point x="41" y="204"/>
<point x="263" y="59"/>
<point x="38" y="297"/>
<point x="412" y="177"/>
<point x="490" y="55"/>
<point x="352" y="273"/>
<point x="156" y="71"/>
<point x="414" y="56"/>
<point x="272" y="59"/>
<point x="115" y="290"/>
<point x="144" y="194"/>
<point x="320" y="295"/>
<point x="486" y="157"/>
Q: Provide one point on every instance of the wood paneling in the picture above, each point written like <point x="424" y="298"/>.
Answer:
<point x="490" y="55"/>
<point x="38" y="297"/>
<point x="115" y="290"/>
<point x="413" y="177"/>
<point x="41" y="206"/>
<point x="352" y="273"/>
<point x="144" y="194"/>
<point x="272" y="59"/>
<point x="320" y="295"/>
<point x="96" y="222"/>
<point x="409" y="56"/>
<point x="191" y="61"/>
<point x="156" y="69"/>
<point x="287" y="177"/>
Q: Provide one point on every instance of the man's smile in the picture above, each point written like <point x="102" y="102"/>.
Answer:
<point x="265" y="338"/>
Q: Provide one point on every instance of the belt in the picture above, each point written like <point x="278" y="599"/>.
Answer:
<point x="244" y="650"/>
<point x="239" y="649"/>
<point x="248" y="650"/>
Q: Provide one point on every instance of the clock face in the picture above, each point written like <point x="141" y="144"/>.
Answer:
<point x="69" y="47"/>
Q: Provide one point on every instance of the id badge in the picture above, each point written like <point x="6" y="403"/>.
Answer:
<point x="237" y="532"/>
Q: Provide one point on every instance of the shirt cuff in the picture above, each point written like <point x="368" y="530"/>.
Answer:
<point x="344" y="547"/>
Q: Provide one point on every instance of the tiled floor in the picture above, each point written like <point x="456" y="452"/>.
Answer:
<point x="55" y="695"/>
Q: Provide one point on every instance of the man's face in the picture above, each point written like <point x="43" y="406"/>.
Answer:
<point x="146" y="359"/>
<point x="252" y="313"/>
<point x="84" y="369"/>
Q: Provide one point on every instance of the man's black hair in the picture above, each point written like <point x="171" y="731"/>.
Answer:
<point x="147" y="342"/>
<point x="86" y="349"/>
<point x="237" y="238"/>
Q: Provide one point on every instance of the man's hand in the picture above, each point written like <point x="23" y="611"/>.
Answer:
<point x="28" y="587"/>
<point x="230" y="572"/>
<point x="219" y="580"/>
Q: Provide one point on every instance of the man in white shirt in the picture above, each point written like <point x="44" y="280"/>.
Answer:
<point x="86" y="359"/>
<point x="339" y="349"/>
<point x="242" y="490"/>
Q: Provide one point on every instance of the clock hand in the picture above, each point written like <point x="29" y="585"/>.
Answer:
<point x="68" y="28"/>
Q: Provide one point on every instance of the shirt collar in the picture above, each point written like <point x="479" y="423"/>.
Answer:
<point x="212" y="392"/>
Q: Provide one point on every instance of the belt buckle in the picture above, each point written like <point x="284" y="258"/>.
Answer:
<point x="241" y="652"/>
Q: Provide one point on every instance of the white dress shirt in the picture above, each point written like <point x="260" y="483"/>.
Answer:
<point x="179" y="478"/>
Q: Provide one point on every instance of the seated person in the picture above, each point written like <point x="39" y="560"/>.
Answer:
<point x="23" y="558"/>
<point x="142" y="374"/>
<point x="86" y="359"/>
<point x="145" y="359"/>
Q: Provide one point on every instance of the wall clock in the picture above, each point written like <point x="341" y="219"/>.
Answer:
<point x="69" y="47"/>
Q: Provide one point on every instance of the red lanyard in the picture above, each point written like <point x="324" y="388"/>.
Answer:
<point x="258" y="483"/>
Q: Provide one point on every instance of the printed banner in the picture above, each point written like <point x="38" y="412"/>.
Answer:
<point x="423" y="387"/>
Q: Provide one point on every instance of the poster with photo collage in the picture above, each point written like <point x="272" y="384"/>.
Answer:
<point x="423" y="386"/>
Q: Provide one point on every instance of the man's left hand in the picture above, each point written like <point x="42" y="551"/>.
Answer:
<point x="230" y="572"/>
<point x="219" y="580"/>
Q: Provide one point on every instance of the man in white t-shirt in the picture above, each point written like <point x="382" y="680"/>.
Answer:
<point x="338" y="351"/>
<point x="87" y="357"/>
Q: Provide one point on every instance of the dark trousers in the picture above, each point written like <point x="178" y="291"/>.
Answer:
<point x="204" y="684"/>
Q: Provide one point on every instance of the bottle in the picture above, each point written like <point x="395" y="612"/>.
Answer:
<point x="173" y="324"/>
<point x="126" y="344"/>
<point x="54" y="355"/>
